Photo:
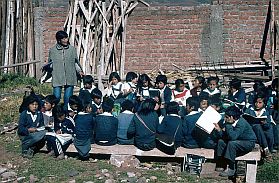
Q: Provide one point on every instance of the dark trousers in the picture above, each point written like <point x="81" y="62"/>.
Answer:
<point x="264" y="136"/>
<point x="83" y="147"/>
<point x="276" y="134"/>
<point x="35" y="141"/>
<point x="231" y="149"/>
<point x="54" y="144"/>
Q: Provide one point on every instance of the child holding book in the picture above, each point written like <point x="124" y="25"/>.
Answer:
<point x="31" y="129"/>
<point x="262" y="127"/>
<point x="50" y="102"/>
<point x="237" y="139"/>
<point x="236" y="93"/>
<point x="115" y="87"/>
<point x="57" y="143"/>
<point x="130" y="87"/>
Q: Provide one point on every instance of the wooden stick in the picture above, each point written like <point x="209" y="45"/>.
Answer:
<point x="272" y="45"/>
<point x="20" y="64"/>
<point x="101" y="12"/>
<point x="72" y="37"/>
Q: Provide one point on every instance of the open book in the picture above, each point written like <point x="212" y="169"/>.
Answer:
<point x="253" y="119"/>
<point x="154" y="93"/>
<point x="63" y="138"/>
<point x="207" y="120"/>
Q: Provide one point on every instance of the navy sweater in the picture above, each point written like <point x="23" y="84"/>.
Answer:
<point x="84" y="125"/>
<point x="25" y="122"/>
<point x="106" y="129"/>
<point x="66" y="126"/>
<point x="168" y="127"/>
<point x="188" y="126"/>
<point x="124" y="120"/>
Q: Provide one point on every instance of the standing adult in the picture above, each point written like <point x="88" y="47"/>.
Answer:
<point x="65" y="66"/>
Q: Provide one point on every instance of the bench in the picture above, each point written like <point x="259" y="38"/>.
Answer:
<point x="251" y="158"/>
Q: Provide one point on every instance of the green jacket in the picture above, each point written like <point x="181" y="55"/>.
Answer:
<point x="65" y="65"/>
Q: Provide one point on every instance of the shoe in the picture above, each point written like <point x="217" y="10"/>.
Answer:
<point x="51" y="153"/>
<point x="227" y="173"/>
<point x="273" y="151"/>
<point x="61" y="156"/>
<point x="266" y="152"/>
<point x="28" y="153"/>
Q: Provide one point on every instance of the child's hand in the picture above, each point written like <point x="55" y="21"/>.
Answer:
<point x="32" y="130"/>
<point x="58" y="132"/>
<point x="156" y="99"/>
<point x="217" y="127"/>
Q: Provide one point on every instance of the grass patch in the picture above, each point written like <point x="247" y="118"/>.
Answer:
<point x="268" y="172"/>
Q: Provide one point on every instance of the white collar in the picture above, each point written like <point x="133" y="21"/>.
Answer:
<point x="173" y="115"/>
<point x="82" y="113"/>
<point x="33" y="116"/>
<point x="200" y="110"/>
<point x="234" y="124"/>
<point x="106" y="114"/>
<point x="235" y="92"/>
<point x="263" y="110"/>
<point x="215" y="91"/>
<point x="98" y="106"/>
<point x="48" y="113"/>
<point x="90" y="90"/>
<point x="127" y="112"/>
<point x="193" y="112"/>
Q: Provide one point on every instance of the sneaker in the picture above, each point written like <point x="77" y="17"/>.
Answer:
<point x="227" y="173"/>
<point x="273" y="151"/>
<point x="61" y="156"/>
<point x="28" y="153"/>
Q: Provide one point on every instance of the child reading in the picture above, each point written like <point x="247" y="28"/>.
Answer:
<point x="50" y="102"/>
<point x="237" y="94"/>
<point x="212" y="87"/>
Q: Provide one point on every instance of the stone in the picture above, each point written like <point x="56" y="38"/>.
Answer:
<point x="142" y="180"/>
<point x="32" y="178"/>
<point x="170" y="172"/>
<point x="89" y="182"/>
<point x="110" y="181"/>
<point x="19" y="179"/>
<point x="107" y="175"/>
<point x="178" y="178"/>
<point x="131" y="174"/>
<point x="177" y="169"/>
<point x="104" y="170"/>
<point x="72" y="173"/>
<point x="72" y="181"/>
<point x="2" y="170"/>
<point x="124" y="180"/>
<point x="132" y="179"/>
<point x="97" y="175"/>
<point x="138" y="174"/>
<point x="8" y="175"/>
<point x="148" y="165"/>
<point x="125" y="161"/>
<point x="169" y="167"/>
<point x="153" y="178"/>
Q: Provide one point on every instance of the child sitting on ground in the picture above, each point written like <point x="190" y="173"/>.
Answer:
<point x="165" y="93"/>
<point x="212" y="87"/>
<point x="84" y="127"/>
<point x="96" y="96"/>
<point x="124" y="120"/>
<point x="50" y="102"/>
<point x="57" y="143"/>
<point x="31" y="128"/>
<point x="129" y="88"/>
<point x="199" y="85"/>
<point x="236" y="93"/>
<point x="106" y="125"/>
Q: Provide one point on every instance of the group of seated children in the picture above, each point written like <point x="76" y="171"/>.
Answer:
<point x="146" y="111"/>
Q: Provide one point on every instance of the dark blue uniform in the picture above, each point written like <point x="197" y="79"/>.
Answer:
<point x="188" y="126"/>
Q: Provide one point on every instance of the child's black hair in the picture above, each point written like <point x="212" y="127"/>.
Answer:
<point x="130" y="76"/>
<point x="75" y="100"/>
<point x="30" y="99"/>
<point x="235" y="83"/>
<point x="114" y="75"/>
<point x="234" y="112"/>
<point x="212" y="78"/>
<point x="259" y="86"/>
<point x="172" y="108"/>
<point x="162" y="78"/>
<point x="204" y="96"/>
<point x="58" y="111"/>
<point x="213" y="100"/>
<point x="96" y="93"/>
<point x="261" y="95"/>
<point x="60" y="35"/>
<point x="107" y="105"/>
<point x="127" y="105"/>
<point x="88" y="79"/>
<point x="201" y="81"/>
<point x="178" y="82"/>
<point x="142" y="78"/>
<point x="274" y="84"/>
<point x="147" y="106"/>
<point x="51" y="99"/>
<point x="193" y="102"/>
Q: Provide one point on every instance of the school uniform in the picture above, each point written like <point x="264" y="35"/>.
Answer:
<point x="144" y="138"/>
<point x="237" y="139"/>
<point x="60" y="145"/>
<point x="115" y="91"/>
<point x="239" y="97"/>
<point x="215" y="93"/>
<point x="85" y="95"/>
<point x="124" y="121"/>
<point x="35" y="140"/>
<point x="84" y="126"/>
<point x="127" y="86"/>
<point x="105" y="131"/>
<point x="180" y="98"/>
<point x="47" y="115"/>
<point x="264" y="132"/>
<point x="165" y="97"/>
<point x="194" y="92"/>
<point x="170" y="125"/>
<point x="95" y="108"/>
<point x="143" y="92"/>
<point x="188" y="125"/>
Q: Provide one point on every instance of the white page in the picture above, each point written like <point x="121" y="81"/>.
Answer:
<point x="207" y="119"/>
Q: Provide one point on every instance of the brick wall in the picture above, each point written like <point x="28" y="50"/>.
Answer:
<point x="160" y="36"/>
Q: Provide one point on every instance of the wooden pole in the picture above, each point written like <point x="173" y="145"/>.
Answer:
<point x="272" y="38"/>
<point x="7" y="33"/>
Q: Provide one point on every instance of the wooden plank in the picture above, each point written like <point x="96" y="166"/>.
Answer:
<point x="20" y="64"/>
<point x="251" y="171"/>
<point x="7" y="38"/>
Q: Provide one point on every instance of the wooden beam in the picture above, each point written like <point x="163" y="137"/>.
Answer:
<point x="20" y="64"/>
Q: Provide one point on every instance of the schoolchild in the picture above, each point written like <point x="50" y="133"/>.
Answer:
<point x="258" y="87"/>
<point x="130" y="87"/>
<point x="57" y="145"/>
<point x="198" y="86"/>
<point x="180" y="95"/>
<point x="143" y="86"/>
<point x="124" y="121"/>
<point x="85" y="92"/>
<point x="144" y="125"/>
<point x="212" y="87"/>
<point x="165" y="93"/>
<point x="50" y="102"/>
<point x="236" y="93"/>
<point x="31" y="129"/>
<point x="84" y="127"/>
<point x="106" y="125"/>
<point x="203" y="99"/>
<point x="237" y="139"/>
<point x="263" y="130"/>
<point x="115" y="87"/>
<point x="96" y="96"/>
<point x="74" y="105"/>
<point x="171" y="124"/>
<point x="189" y="122"/>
